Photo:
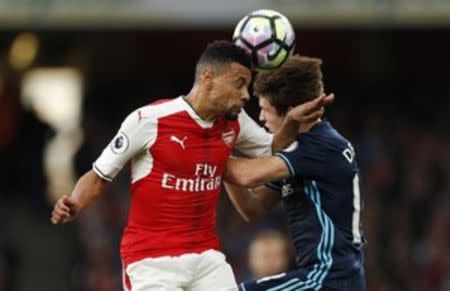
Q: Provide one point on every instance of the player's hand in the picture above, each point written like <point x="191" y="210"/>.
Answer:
<point x="311" y="111"/>
<point x="65" y="210"/>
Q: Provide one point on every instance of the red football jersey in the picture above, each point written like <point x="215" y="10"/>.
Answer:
<point x="177" y="161"/>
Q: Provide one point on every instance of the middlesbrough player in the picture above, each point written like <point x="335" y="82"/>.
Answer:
<point x="178" y="149"/>
<point x="320" y="187"/>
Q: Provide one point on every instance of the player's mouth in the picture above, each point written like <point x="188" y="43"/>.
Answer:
<point x="267" y="128"/>
<point x="237" y="109"/>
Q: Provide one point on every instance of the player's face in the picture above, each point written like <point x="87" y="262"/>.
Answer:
<point x="268" y="257"/>
<point x="229" y="91"/>
<point x="269" y="115"/>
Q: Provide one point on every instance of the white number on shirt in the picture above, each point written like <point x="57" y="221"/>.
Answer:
<point x="356" y="211"/>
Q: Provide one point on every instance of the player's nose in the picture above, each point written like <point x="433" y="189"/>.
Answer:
<point x="261" y="116"/>
<point x="246" y="97"/>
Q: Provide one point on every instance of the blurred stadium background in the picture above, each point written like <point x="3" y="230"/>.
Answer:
<point x="71" y="70"/>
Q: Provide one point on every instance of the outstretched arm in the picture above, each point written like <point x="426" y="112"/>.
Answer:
<point x="252" y="204"/>
<point x="86" y="191"/>
<point x="255" y="172"/>
<point x="300" y="117"/>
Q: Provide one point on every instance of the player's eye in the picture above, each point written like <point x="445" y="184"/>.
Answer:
<point x="240" y="83"/>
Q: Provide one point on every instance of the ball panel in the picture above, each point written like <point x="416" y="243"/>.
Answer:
<point x="284" y="31"/>
<point x="257" y="30"/>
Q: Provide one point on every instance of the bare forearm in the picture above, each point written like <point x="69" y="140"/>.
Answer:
<point x="286" y="134"/>
<point x="87" y="190"/>
<point x="243" y="172"/>
<point x="255" y="172"/>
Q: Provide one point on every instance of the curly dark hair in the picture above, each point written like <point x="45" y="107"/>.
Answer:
<point x="297" y="81"/>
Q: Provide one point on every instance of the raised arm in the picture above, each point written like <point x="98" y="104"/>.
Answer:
<point x="252" y="204"/>
<point x="86" y="191"/>
<point x="300" y="117"/>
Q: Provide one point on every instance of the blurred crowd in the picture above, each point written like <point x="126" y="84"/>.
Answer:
<point x="406" y="171"/>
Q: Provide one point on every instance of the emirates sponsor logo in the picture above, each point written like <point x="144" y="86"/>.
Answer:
<point x="205" y="180"/>
<point x="229" y="137"/>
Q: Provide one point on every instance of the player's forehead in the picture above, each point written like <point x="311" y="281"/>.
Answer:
<point x="237" y="70"/>
<point x="264" y="102"/>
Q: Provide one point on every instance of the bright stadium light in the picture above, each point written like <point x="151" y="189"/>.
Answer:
<point x="55" y="94"/>
<point x="23" y="50"/>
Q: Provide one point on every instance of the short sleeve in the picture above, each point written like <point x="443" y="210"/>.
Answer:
<point x="253" y="140"/>
<point x="303" y="158"/>
<point x="135" y="133"/>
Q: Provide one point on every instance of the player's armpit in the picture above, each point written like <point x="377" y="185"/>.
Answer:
<point x="255" y="172"/>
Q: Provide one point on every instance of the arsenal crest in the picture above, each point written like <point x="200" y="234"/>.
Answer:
<point x="229" y="137"/>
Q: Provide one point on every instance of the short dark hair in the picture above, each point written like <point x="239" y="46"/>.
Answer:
<point x="222" y="52"/>
<point x="297" y="81"/>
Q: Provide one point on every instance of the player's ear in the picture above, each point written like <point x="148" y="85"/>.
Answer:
<point x="207" y="77"/>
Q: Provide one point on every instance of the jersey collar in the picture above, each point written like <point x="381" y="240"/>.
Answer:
<point x="194" y="115"/>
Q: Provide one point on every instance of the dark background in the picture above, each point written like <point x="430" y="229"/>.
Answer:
<point x="392" y="102"/>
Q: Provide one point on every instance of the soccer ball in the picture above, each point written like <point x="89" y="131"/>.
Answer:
<point x="267" y="36"/>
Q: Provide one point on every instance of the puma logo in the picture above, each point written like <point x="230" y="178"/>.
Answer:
<point x="177" y="140"/>
<point x="140" y="117"/>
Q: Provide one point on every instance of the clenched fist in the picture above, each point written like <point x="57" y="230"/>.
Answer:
<point x="65" y="210"/>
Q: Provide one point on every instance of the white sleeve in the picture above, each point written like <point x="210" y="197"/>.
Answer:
<point x="253" y="140"/>
<point x="132" y="138"/>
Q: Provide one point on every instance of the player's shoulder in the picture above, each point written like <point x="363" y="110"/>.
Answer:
<point x="244" y="118"/>
<point x="157" y="109"/>
<point x="324" y="139"/>
<point x="245" y="121"/>
<point x="163" y="107"/>
<point x="333" y="135"/>
<point x="322" y="129"/>
<point x="322" y="135"/>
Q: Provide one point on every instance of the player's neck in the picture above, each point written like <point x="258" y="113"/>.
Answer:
<point x="200" y="106"/>
<point x="306" y="127"/>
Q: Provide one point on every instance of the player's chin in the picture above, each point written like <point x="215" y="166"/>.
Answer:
<point x="269" y="129"/>
<point x="232" y="114"/>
